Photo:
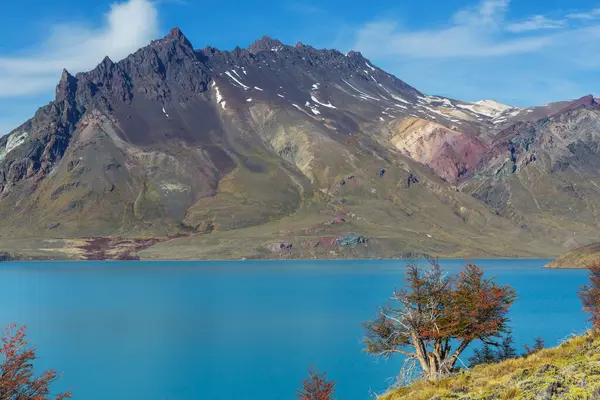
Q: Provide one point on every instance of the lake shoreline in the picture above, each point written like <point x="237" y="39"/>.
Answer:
<point x="232" y="246"/>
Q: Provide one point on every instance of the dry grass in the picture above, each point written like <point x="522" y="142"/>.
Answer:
<point x="578" y="258"/>
<point x="569" y="371"/>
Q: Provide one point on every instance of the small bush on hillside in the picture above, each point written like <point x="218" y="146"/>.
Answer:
<point x="537" y="346"/>
<point x="316" y="387"/>
<point x="489" y="353"/>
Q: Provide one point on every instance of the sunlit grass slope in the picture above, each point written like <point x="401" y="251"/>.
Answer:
<point x="569" y="371"/>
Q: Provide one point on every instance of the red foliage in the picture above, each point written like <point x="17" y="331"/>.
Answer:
<point x="316" y="387"/>
<point x="480" y="306"/>
<point x="590" y="295"/>
<point x="16" y="370"/>
<point x="469" y="306"/>
<point x="435" y="318"/>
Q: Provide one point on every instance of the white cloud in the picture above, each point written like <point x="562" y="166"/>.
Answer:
<point x="478" y="32"/>
<point x="592" y="14"/>
<point x="475" y="32"/>
<point x="76" y="47"/>
<point x="488" y="13"/>
<point x="481" y="53"/>
<point x="535" y="23"/>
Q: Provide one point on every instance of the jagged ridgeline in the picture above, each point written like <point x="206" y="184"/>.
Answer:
<point x="279" y="150"/>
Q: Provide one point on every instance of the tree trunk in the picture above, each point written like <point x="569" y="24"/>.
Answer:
<point x="421" y="351"/>
<point x="437" y="363"/>
<point x="434" y="367"/>
<point x="454" y="357"/>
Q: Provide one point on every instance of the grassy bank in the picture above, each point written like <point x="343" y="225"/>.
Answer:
<point x="578" y="258"/>
<point x="569" y="371"/>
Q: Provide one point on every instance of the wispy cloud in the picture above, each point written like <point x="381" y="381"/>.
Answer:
<point x="592" y="14"/>
<point x="535" y="23"/>
<point x="78" y="47"/>
<point x="488" y="13"/>
<point x="474" y="32"/>
<point x="482" y="51"/>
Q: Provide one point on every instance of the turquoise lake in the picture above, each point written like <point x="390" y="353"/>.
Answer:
<point x="238" y="330"/>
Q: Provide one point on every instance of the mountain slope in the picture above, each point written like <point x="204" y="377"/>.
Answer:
<point x="547" y="179"/>
<point x="239" y="151"/>
<point x="569" y="371"/>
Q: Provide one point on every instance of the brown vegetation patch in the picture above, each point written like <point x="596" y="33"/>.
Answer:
<point x="107" y="248"/>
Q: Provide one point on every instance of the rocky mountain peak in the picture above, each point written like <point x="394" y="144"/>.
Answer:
<point x="588" y="100"/>
<point x="353" y="53"/>
<point x="67" y="86"/>
<point x="177" y="34"/>
<point x="107" y="63"/>
<point x="585" y="101"/>
<point x="103" y="71"/>
<point x="65" y="74"/>
<point x="265" y="44"/>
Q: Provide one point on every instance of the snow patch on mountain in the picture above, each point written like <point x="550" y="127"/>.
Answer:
<point x="491" y="109"/>
<point x="236" y="80"/>
<point x="494" y="105"/>
<point x="219" y="97"/>
<point x="238" y="75"/>
<point x="13" y="141"/>
<point x="393" y="95"/>
<point x="329" y="105"/>
<point x="362" y="93"/>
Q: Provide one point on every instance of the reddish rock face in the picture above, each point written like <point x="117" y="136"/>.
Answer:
<point x="451" y="154"/>
<point x="327" y="241"/>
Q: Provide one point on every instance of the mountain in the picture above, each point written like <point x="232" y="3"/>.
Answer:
<point x="289" y="151"/>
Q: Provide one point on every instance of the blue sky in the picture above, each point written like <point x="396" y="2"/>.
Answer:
<point x="521" y="52"/>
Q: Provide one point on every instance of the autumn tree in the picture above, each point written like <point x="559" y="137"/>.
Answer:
<point x="316" y="387"/>
<point x="433" y="319"/>
<point x="590" y="294"/>
<point x="17" y="380"/>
